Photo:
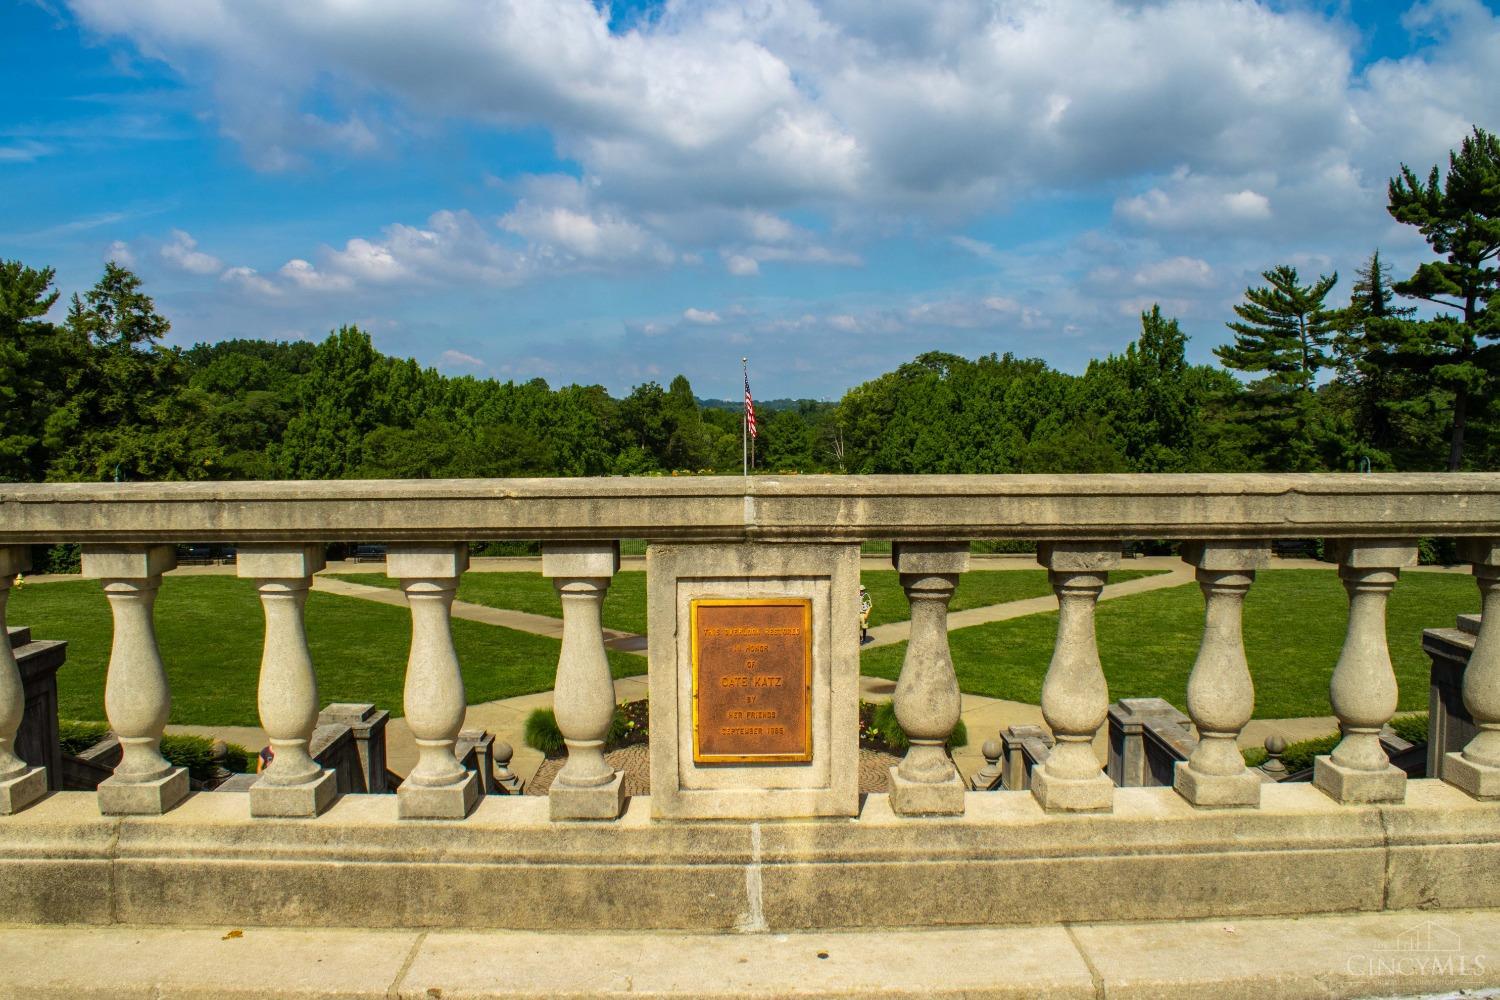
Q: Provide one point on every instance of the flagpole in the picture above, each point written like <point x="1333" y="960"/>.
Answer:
<point x="744" y="424"/>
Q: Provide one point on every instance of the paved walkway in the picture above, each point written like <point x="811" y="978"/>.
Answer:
<point x="894" y="632"/>
<point x="1314" y="956"/>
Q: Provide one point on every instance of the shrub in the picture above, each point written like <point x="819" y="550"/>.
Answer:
<point x="542" y="734"/>
<point x="76" y="737"/>
<point x="883" y="725"/>
<point x="1437" y="551"/>
<point x="196" y="753"/>
<point x="66" y="558"/>
<point x="1299" y="756"/>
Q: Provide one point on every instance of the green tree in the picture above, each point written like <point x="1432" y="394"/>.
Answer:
<point x="1459" y="216"/>
<point x="325" y="439"/>
<point x="1284" y="329"/>
<point x="1397" y="419"/>
<point x="27" y="369"/>
<point x="124" y="412"/>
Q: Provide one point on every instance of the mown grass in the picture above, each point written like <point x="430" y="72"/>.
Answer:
<point x="625" y="603"/>
<point x="1294" y="627"/>
<point x="209" y="629"/>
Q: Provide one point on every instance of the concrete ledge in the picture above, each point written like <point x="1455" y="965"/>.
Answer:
<point x="763" y="508"/>
<point x="1356" y="955"/>
<point x="207" y="862"/>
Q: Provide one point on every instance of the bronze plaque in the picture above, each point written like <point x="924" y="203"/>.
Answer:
<point x="752" y="680"/>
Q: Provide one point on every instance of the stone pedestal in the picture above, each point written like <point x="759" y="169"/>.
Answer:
<point x="1217" y="790"/>
<point x="925" y="798"/>
<point x="1358" y="785"/>
<point x="305" y="799"/>
<point x="143" y="798"/>
<point x="438" y="802"/>
<point x="19" y="791"/>
<point x="597" y="802"/>
<point x="1479" y="780"/>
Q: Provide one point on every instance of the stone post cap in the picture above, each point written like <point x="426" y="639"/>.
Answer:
<point x="1137" y="710"/>
<point x="127" y="562"/>
<point x="14" y="559"/>
<point x="1015" y="734"/>
<point x="580" y="559"/>
<point x="354" y="715"/>
<point x="426" y="561"/>
<point x="271" y="561"/>
<point x="1374" y="553"/>
<point x="1083" y="556"/>
<point x="1227" y="556"/>
<point x="943" y="557"/>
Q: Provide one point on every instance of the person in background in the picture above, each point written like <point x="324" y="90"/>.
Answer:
<point x="865" y="604"/>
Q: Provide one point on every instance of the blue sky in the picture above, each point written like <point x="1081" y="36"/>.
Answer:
<point x="562" y="189"/>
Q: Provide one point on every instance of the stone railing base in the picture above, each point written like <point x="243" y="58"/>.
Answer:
<point x="207" y="862"/>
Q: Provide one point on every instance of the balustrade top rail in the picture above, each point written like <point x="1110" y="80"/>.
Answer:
<point x="770" y="508"/>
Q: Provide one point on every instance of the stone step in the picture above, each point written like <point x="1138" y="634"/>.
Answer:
<point x="1354" y="955"/>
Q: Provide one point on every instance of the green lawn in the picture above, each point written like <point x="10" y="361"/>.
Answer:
<point x="975" y="590"/>
<point x="1294" y="627"/>
<point x="625" y="604"/>
<point x="210" y="631"/>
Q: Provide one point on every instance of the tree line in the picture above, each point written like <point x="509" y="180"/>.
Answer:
<point x="1305" y="385"/>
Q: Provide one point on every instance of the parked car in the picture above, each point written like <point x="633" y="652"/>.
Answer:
<point x="369" y="553"/>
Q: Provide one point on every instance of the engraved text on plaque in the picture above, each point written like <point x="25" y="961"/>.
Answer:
<point x="752" y="680"/>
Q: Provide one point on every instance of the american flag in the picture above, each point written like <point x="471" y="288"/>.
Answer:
<point x="749" y="407"/>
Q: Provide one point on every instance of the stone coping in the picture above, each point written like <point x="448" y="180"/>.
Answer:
<point x="1003" y="862"/>
<point x="1347" y="955"/>
<point x="728" y="508"/>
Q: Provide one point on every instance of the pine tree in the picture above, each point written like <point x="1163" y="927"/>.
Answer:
<point x="1283" y="330"/>
<point x="1459" y="216"/>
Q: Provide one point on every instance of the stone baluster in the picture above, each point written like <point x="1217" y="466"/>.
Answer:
<point x="926" y="699"/>
<point x="1476" y="769"/>
<point x="438" y="786"/>
<point x="1220" y="694"/>
<point x="1363" y="690"/>
<point x="20" y="783"/>
<point x="293" y="784"/>
<point x="1075" y="696"/>
<point x="136" y="696"/>
<point x="583" y="695"/>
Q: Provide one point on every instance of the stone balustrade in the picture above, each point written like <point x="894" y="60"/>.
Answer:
<point x="749" y="537"/>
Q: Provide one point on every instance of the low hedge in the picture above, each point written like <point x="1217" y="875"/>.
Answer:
<point x="196" y="753"/>
<point x="1299" y="756"/>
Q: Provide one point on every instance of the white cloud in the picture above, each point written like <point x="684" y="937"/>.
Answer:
<point x="560" y="231"/>
<point x="182" y="253"/>
<point x="1175" y="272"/>
<point x="740" y="265"/>
<point x="119" y="251"/>
<point x="701" y="317"/>
<point x="25" y="151"/>
<point x="458" y="359"/>
<point x="250" y="280"/>
<point x="302" y="274"/>
<point x="452" y="248"/>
